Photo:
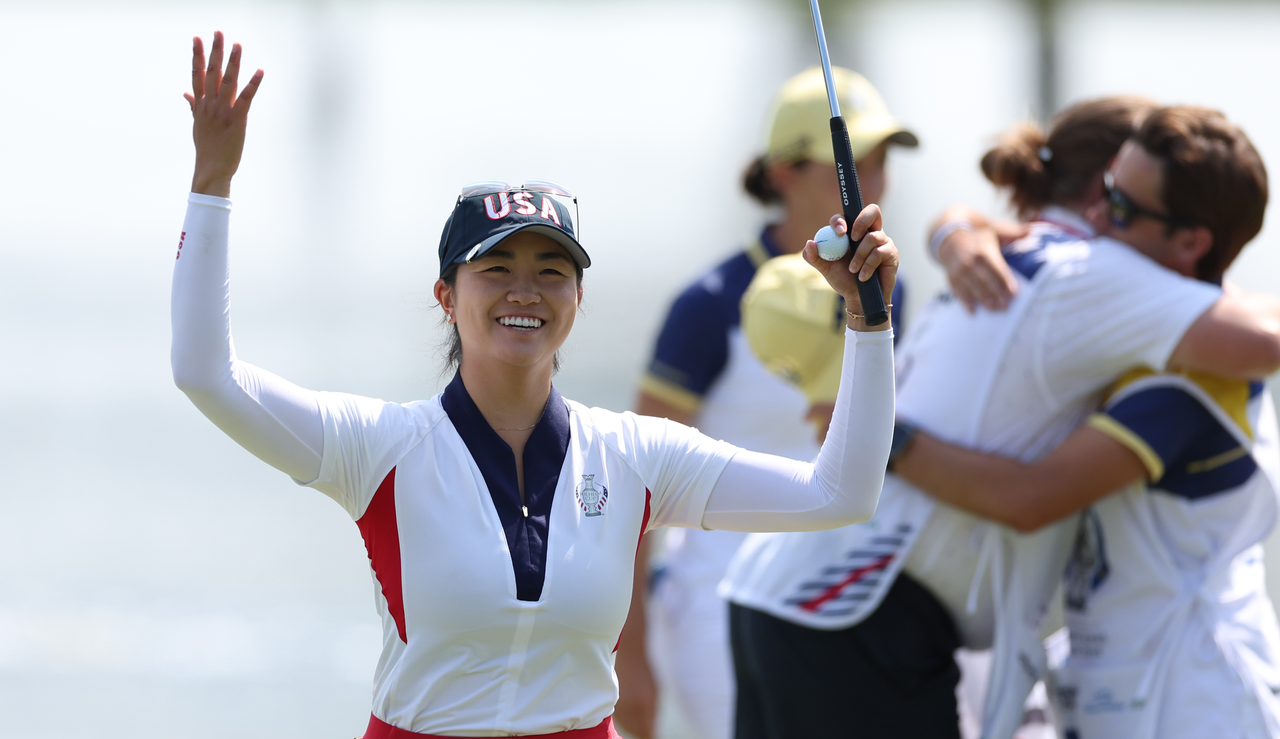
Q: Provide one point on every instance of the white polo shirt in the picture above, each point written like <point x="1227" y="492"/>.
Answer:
<point x="1016" y="383"/>
<point x="494" y="614"/>
<point x="501" y="617"/>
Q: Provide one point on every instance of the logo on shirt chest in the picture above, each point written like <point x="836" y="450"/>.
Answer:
<point x="591" y="499"/>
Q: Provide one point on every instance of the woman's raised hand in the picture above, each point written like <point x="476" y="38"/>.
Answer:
<point x="875" y="257"/>
<point x="220" y="116"/>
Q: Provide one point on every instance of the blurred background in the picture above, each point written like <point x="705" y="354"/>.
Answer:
<point x="158" y="581"/>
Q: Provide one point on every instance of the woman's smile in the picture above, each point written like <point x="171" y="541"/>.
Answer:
<point x="516" y="304"/>
<point x="422" y="479"/>
<point x="521" y="323"/>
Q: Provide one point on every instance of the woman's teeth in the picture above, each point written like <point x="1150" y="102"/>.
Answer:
<point x="520" y="321"/>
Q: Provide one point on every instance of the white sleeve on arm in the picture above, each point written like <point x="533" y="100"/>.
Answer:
<point x="277" y="421"/>
<point x="761" y="492"/>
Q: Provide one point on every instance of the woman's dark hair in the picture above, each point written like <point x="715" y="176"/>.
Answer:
<point x="453" y="349"/>
<point x="755" y="180"/>
<point x="1058" y="168"/>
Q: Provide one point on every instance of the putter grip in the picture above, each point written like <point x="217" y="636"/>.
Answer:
<point x="869" y="292"/>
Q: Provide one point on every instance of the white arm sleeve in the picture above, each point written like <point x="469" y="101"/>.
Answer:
<point x="277" y="421"/>
<point x="761" y="492"/>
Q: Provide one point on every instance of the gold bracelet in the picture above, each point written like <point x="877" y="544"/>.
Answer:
<point x="858" y="317"/>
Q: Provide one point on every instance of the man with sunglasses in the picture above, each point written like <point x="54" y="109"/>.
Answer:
<point x="1171" y="630"/>
<point x="1017" y="383"/>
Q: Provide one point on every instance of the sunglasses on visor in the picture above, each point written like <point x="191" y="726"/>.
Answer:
<point x="544" y="187"/>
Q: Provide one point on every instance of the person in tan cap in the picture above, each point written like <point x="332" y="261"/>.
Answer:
<point x="851" y="631"/>
<point x="703" y="374"/>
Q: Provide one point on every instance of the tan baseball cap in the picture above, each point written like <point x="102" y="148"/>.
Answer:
<point x="794" y="323"/>
<point x="800" y="122"/>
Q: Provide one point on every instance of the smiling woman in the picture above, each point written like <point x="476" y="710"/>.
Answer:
<point x="502" y="520"/>
<point x="537" y="224"/>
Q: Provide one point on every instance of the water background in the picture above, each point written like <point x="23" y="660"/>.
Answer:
<point x="158" y="581"/>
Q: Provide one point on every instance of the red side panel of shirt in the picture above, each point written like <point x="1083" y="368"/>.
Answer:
<point x="644" y="525"/>
<point x="382" y="541"/>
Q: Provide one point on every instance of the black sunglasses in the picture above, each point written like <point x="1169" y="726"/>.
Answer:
<point x="1122" y="210"/>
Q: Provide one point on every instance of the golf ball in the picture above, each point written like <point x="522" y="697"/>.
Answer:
<point x="830" y="246"/>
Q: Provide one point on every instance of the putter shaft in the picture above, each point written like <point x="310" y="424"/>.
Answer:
<point x="826" y="59"/>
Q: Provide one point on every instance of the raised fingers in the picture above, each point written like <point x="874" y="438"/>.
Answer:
<point x="246" y="95"/>
<point x="213" y="74"/>
<point x="227" y="89"/>
<point x="197" y="71"/>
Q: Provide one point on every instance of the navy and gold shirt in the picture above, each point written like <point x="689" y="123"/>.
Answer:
<point x="693" y="345"/>
<point x="1188" y="446"/>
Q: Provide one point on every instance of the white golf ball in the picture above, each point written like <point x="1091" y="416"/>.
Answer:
<point x="830" y="246"/>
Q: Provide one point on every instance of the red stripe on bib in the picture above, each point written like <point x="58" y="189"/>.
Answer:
<point x="851" y="578"/>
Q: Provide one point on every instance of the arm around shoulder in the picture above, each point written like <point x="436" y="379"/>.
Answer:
<point x="1238" y="336"/>
<point x="1025" y="496"/>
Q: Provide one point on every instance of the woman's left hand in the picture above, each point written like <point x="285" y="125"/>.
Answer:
<point x="875" y="257"/>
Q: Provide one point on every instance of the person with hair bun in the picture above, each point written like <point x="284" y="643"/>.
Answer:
<point x="1051" y="177"/>
<point x="703" y="374"/>
<point x="857" y="627"/>
<point x="1170" y="486"/>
